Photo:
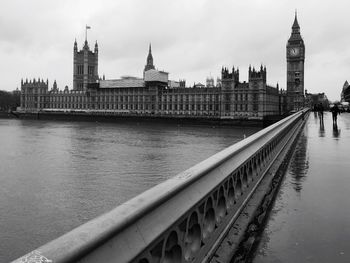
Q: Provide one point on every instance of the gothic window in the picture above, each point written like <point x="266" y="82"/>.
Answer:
<point x="80" y="69"/>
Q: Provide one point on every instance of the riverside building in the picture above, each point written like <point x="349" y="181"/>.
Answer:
<point x="154" y="94"/>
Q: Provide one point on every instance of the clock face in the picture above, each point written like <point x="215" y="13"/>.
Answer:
<point x="294" y="51"/>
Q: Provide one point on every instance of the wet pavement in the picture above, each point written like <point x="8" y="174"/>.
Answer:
<point x="310" y="219"/>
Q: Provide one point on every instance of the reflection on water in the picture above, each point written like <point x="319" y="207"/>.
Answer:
<point x="321" y="132"/>
<point x="57" y="175"/>
<point x="299" y="164"/>
<point x="310" y="219"/>
<point x="336" y="131"/>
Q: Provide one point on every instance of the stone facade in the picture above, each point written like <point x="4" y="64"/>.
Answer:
<point x="85" y="66"/>
<point x="295" y="68"/>
<point x="155" y="94"/>
<point x="34" y="94"/>
<point x="342" y="94"/>
<point x="346" y="93"/>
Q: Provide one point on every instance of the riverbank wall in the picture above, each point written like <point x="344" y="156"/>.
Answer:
<point x="84" y="116"/>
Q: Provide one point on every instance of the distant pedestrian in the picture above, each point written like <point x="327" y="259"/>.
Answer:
<point x="320" y="111"/>
<point x="335" y="111"/>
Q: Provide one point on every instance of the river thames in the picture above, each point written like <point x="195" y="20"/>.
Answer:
<point x="57" y="175"/>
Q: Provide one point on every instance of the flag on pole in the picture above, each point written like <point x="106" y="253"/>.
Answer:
<point x="86" y="28"/>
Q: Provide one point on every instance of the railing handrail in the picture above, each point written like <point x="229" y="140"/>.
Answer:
<point x="81" y="240"/>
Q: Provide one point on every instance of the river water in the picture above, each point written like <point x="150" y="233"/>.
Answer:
<point x="55" y="176"/>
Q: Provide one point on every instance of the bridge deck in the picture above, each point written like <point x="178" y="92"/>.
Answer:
<point x="310" y="220"/>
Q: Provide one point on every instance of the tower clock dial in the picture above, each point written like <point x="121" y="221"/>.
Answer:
<point x="294" y="51"/>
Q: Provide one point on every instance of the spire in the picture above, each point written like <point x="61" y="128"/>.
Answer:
<point x="295" y="24"/>
<point x="295" y="37"/>
<point x="86" y="45"/>
<point x="75" y="45"/>
<point x="96" y="47"/>
<point x="149" y="61"/>
<point x="150" y="57"/>
<point x="54" y="86"/>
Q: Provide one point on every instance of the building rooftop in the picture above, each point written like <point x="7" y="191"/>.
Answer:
<point x="156" y="75"/>
<point x="125" y="82"/>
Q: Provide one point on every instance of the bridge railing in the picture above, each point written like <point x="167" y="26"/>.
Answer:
<point x="182" y="219"/>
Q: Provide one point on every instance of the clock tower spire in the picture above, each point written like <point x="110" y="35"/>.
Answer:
<point x="295" y="68"/>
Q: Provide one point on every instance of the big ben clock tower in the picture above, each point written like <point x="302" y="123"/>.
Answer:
<point x="295" y="68"/>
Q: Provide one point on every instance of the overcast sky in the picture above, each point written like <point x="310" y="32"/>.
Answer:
<point x="191" y="39"/>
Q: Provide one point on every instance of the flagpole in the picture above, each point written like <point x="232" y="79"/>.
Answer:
<point x="85" y="32"/>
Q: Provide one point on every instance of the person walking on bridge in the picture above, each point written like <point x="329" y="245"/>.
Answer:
<point x="335" y="111"/>
<point x="320" y="111"/>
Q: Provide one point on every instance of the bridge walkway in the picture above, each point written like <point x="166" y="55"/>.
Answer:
<point x="310" y="220"/>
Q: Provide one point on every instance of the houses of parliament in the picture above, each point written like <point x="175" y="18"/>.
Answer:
<point x="154" y="94"/>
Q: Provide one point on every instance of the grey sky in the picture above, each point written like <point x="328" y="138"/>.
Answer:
<point x="191" y="39"/>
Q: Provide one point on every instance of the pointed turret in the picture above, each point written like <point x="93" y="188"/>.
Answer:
<point x="54" y="86"/>
<point x="96" y="47"/>
<point x="295" y="36"/>
<point x="149" y="62"/>
<point x="295" y="24"/>
<point x="295" y="27"/>
<point x="150" y="57"/>
<point x="75" y="46"/>
<point x="86" y="45"/>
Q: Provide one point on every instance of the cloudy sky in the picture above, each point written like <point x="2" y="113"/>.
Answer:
<point x="191" y="39"/>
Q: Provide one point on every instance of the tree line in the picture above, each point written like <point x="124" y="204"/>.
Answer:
<point x="9" y="100"/>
